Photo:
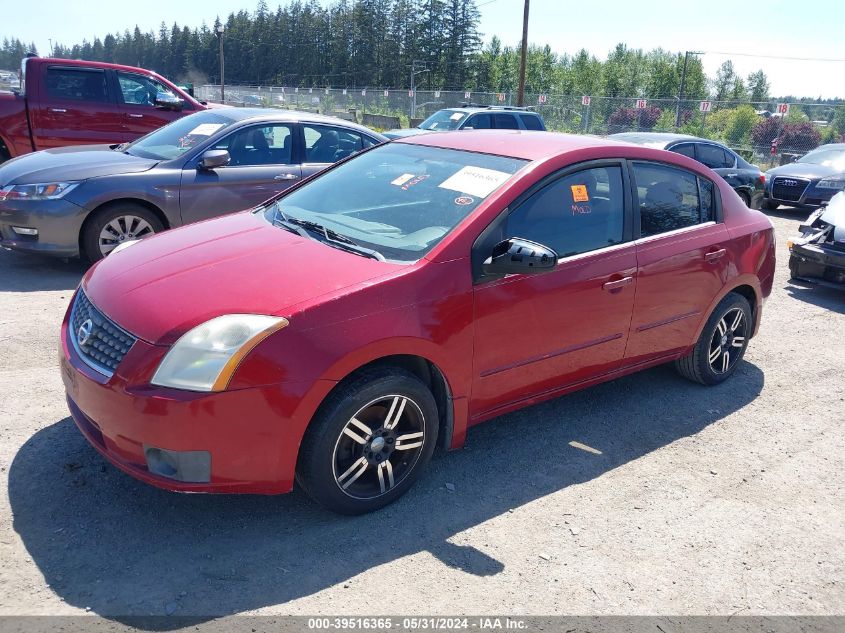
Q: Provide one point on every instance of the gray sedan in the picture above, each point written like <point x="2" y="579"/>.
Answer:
<point x="85" y="200"/>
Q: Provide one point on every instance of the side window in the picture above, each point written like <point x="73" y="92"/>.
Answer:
<point x="504" y="121"/>
<point x="479" y="122"/>
<point x="712" y="155"/>
<point x="327" y="144"/>
<point x="531" y="122"/>
<point x="668" y="198"/>
<point x="259" y="145"/>
<point x="140" y="90"/>
<point x="369" y="142"/>
<point x="577" y="213"/>
<point x="687" y="149"/>
<point x="708" y="204"/>
<point x="73" y="84"/>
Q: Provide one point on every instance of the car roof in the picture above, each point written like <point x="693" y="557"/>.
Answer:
<point x="258" y="115"/>
<point x="655" y="139"/>
<point x="473" y="109"/>
<point x="528" y="145"/>
<point x="829" y="146"/>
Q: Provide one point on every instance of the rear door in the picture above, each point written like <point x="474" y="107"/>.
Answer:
<point x="536" y="333"/>
<point x="75" y="107"/>
<point x="505" y="121"/>
<point x="262" y="164"/>
<point x="324" y="145"/>
<point x="136" y="98"/>
<point x="682" y="258"/>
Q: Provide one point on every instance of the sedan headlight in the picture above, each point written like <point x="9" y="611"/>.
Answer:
<point x="205" y="358"/>
<point x="42" y="191"/>
<point x="831" y="183"/>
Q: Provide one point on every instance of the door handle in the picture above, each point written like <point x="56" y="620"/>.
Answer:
<point x="136" y="116"/>
<point x="57" y="110"/>
<point x="617" y="284"/>
<point x="712" y="256"/>
<point x="731" y="175"/>
<point x="286" y="177"/>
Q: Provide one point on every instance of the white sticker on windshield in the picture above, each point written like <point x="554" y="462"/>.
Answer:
<point x="402" y="180"/>
<point x="456" y="116"/>
<point x="475" y="181"/>
<point x="206" y="129"/>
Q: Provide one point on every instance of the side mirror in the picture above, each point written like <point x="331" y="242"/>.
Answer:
<point x="214" y="158"/>
<point x="168" y="101"/>
<point x="519" y="256"/>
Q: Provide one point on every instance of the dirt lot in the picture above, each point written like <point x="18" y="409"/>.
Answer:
<point x="702" y="500"/>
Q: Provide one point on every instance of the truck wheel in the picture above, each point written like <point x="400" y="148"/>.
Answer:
<point x="368" y="442"/>
<point x="722" y="343"/>
<point x="115" y="224"/>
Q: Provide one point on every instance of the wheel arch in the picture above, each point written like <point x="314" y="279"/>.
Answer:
<point x="746" y="286"/>
<point x="114" y="202"/>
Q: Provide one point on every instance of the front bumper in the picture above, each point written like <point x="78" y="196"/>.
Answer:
<point x="247" y="439"/>
<point x="816" y="261"/>
<point x="810" y="196"/>
<point x="58" y="223"/>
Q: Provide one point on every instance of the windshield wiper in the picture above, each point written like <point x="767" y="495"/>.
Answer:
<point x="334" y="238"/>
<point x="281" y="219"/>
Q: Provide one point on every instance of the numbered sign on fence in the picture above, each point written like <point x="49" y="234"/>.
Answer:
<point x="386" y="93"/>
<point x="436" y="94"/>
<point x="585" y="100"/>
<point x="501" y="96"/>
<point x="704" y="106"/>
<point x="364" y="92"/>
<point x="310" y="91"/>
<point x="783" y="108"/>
<point x="327" y="91"/>
<point x="410" y="93"/>
<point x="344" y="91"/>
<point x="467" y="95"/>
<point x="641" y="104"/>
<point x="541" y="99"/>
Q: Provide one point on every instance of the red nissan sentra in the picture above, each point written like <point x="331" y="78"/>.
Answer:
<point x="336" y="334"/>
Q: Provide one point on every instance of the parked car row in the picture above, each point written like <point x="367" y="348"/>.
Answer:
<point x="337" y="333"/>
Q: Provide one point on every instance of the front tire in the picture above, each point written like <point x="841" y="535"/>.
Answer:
<point x="369" y="441"/>
<point x="722" y="343"/>
<point x="117" y="223"/>
<point x="769" y="205"/>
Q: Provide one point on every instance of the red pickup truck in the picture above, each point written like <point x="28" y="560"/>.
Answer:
<point x="71" y="102"/>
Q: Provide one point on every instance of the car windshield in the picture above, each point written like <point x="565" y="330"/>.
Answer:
<point x="828" y="157"/>
<point x="398" y="200"/>
<point x="444" y="120"/>
<point x="174" y="139"/>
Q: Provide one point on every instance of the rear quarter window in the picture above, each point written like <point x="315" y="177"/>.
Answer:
<point x="532" y="122"/>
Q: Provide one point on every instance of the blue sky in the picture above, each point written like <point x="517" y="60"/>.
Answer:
<point x="754" y="29"/>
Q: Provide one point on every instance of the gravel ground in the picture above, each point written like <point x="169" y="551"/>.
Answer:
<point x="725" y="500"/>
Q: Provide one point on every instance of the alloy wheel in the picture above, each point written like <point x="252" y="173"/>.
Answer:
<point x="123" y="229"/>
<point x="378" y="447"/>
<point x="728" y="341"/>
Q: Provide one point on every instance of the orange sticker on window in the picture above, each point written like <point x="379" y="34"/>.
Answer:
<point x="579" y="193"/>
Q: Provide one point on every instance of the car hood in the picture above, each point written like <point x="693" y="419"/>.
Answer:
<point x="803" y="170"/>
<point x="413" y="131"/>
<point x="238" y="264"/>
<point x="65" y="164"/>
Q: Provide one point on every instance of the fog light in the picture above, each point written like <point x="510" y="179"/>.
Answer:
<point x="187" y="466"/>
<point x="23" y="230"/>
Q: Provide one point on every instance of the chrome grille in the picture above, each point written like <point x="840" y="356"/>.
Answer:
<point x="95" y="337"/>
<point x="789" y="189"/>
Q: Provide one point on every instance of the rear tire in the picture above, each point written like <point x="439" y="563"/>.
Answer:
<point x="745" y="198"/>
<point x="722" y="343"/>
<point x="369" y="441"/>
<point x="116" y="223"/>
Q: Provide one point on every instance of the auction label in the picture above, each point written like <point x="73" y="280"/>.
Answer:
<point x="475" y="181"/>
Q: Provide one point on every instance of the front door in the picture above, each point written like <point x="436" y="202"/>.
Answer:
<point x="536" y="333"/>
<point x="261" y="166"/>
<point x="682" y="259"/>
<point x="137" y="104"/>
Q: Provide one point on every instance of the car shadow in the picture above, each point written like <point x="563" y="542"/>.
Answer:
<point x="23" y="272"/>
<point x="124" y="549"/>
<point x="832" y="299"/>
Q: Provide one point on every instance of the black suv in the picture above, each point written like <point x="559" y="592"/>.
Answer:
<point x="475" y="117"/>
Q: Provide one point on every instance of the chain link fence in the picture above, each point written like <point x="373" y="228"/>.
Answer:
<point x="764" y="133"/>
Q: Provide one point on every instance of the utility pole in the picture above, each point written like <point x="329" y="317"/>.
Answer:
<point x="220" y="32"/>
<point x="520" y="99"/>
<point x="51" y="46"/>
<point x="683" y="85"/>
<point x="414" y="73"/>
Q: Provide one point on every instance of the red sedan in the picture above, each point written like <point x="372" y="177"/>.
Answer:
<point x="336" y="334"/>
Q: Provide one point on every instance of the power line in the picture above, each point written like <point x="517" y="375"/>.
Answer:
<point x="798" y="59"/>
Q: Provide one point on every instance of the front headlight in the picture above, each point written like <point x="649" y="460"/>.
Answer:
<point x="831" y="183"/>
<point x="205" y="358"/>
<point x="42" y="191"/>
